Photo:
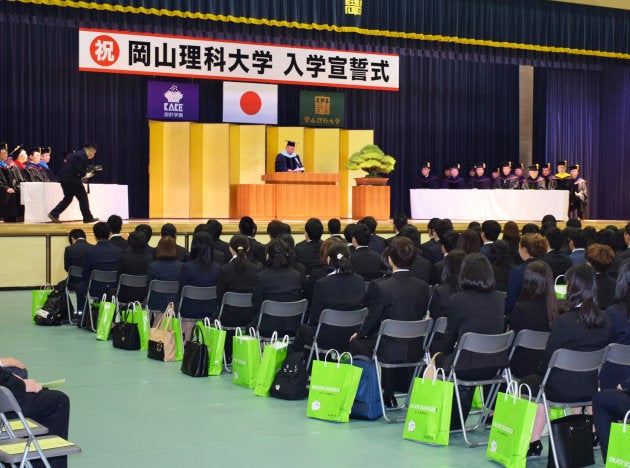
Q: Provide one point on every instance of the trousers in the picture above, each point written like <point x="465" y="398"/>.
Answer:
<point x="71" y="191"/>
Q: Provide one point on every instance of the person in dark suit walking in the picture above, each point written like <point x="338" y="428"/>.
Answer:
<point x="340" y="290"/>
<point x="102" y="256"/>
<point x="558" y="261"/>
<point x="582" y="327"/>
<point x="365" y="261"/>
<point x="307" y="251"/>
<point x="73" y="172"/>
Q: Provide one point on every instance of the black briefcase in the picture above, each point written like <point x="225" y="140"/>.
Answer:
<point x="573" y="438"/>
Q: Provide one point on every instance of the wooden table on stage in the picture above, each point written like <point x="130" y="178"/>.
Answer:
<point x="290" y="195"/>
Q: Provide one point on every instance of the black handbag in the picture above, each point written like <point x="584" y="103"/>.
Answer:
<point x="125" y="335"/>
<point x="156" y="350"/>
<point x="195" y="361"/>
<point x="291" y="381"/>
<point x="573" y="438"/>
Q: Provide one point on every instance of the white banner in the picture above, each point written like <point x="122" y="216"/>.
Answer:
<point x="107" y="51"/>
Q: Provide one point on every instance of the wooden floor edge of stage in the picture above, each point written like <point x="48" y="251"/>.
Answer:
<point x="230" y="226"/>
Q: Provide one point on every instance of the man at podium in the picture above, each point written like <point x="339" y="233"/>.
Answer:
<point x="288" y="160"/>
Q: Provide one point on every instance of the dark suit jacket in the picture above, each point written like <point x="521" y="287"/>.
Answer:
<point x="164" y="270"/>
<point x="133" y="263"/>
<point x="577" y="257"/>
<point x="439" y="301"/>
<point x="256" y="251"/>
<point x="182" y="254"/>
<point x="221" y="246"/>
<point x="237" y="281"/>
<point x="193" y="274"/>
<point x="367" y="263"/>
<point x="605" y="289"/>
<point x="400" y="296"/>
<point x="102" y="256"/>
<point x="377" y="243"/>
<point x="307" y="253"/>
<point x="567" y="333"/>
<point x="485" y="249"/>
<point x="335" y="291"/>
<point x="528" y="315"/>
<point x="613" y="374"/>
<point x="515" y="283"/>
<point x="436" y="272"/>
<point x="558" y="262"/>
<point x="119" y="241"/>
<point x="620" y="256"/>
<point x="74" y="254"/>
<point x="473" y="311"/>
<point x="434" y="253"/>
<point x="421" y="268"/>
<point x="282" y="284"/>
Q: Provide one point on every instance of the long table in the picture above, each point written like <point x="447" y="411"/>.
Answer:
<point x="39" y="198"/>
<point x="505" y="205"/>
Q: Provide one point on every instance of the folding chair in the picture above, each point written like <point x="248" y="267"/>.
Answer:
<point x="97" y="276"/>
<point x="571" y="361"/>
<point x="76" y="273"/>
<point x="481" y="344"/>
<point x="529" y="339"/>
<point x="439" y="327"/>
<point x="130" y="281"/>
<point x="617" y="353"/>
<point x="233" y="299"/>
<point x="292" y="312"/>
<point x="349" y="319"/>
<point x="162" y="287"/>
<point x="400" y="330"/>
<point x="194" y="293"/>
<point x="19" y="430"/>
<point x="15" y="450"/>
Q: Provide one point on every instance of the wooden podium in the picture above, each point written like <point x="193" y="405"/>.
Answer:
<point x="370" y="200"/>
<point x="291" y="195"/>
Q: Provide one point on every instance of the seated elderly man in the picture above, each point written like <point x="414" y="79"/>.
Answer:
<point x="48" y="407"/>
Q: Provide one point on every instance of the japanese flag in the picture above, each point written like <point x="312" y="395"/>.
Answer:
<point x="250" y="103"/>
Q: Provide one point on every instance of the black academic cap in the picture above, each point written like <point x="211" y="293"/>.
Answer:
<point x="425" y="164"/>
<point x="456" y="166"/>
<point x="518" y="165"/>
<point x="533" y="167"/>
<point x="574" y="167"/>
<point x="447" y="167"/>
<point x="290" y="143"/>
<point x="46" y="149"/>
<point x="506" y="164"/>
<point x="547" y="165"/>
<point x="562" y="163"/>
<point x="34" y="149"/>
<point x="479" y="165"/>
<point x="4" y="146"/>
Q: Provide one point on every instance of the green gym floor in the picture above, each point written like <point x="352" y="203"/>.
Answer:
<point x="129" y="411"/>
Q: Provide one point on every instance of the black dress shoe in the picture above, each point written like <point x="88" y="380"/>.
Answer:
<point x="87" y="221"/>
<point x="535" y="449"/>
<point x="390" y="400"/>
<point x="53" y="218"/>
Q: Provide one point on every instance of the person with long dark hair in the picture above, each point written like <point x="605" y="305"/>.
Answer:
<point x="536" y="309"/>
<point x="612" y="374"/>
<point x="581" y="327"/>
<point x="202" y="271"/>
<point x="448" y="283"/>
<point x="342" y="289"/>
<point x="238" y="275"/>
<point x="600" y="257"/>
<point x="164" y="268"/>
<point x="502" y="262"/>
<point x="476" y="307"/>
<point x="469" y="241"/>
<point x="278" y="282"/>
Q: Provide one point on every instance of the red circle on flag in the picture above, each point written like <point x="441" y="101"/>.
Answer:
<point x="251" y="103"/>
<point x="104" y="50"/>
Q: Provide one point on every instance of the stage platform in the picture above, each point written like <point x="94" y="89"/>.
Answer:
<point x="32" y="254"/>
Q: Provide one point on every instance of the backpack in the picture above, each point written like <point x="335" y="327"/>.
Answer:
<point x="54" y="309"/>
<point x="291" y="380"/>
<point x="367" y="402"/>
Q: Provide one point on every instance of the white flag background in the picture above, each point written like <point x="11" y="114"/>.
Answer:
<point x="250" y="103"/>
